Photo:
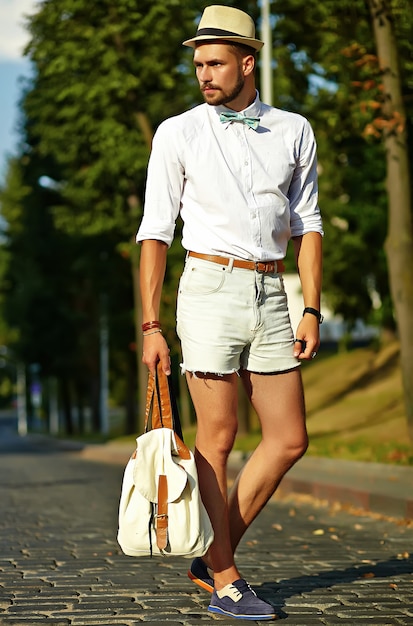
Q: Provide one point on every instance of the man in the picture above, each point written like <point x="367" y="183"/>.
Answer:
<point x="243" y="188"/>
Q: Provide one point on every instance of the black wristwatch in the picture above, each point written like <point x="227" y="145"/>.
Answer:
<point x="309" y="309"/>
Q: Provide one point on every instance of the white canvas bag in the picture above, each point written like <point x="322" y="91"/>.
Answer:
<point x="160" y="510"/>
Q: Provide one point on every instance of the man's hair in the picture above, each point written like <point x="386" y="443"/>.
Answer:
<point x="241" y="50"/>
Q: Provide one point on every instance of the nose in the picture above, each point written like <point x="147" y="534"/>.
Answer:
<point x="204" y="74"/>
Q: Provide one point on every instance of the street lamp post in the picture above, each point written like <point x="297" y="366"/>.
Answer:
<point x="266" y="54"/>
<point x="104" y="368"/>
<point x="21" y="400"/>
<point x="20" y="378"/>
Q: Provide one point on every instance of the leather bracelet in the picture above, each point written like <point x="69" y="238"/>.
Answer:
<point x="150" y="325"/>
<point x="309" y="309"/>
<point x="152" y="332"/>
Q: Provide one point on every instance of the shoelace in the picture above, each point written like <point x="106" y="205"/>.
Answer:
<point x="234" y="593"/>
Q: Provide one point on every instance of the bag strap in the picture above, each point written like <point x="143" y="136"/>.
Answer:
<point x="161" y="525"/>
<point x="158" y="413"/>
<point x="161" y="409"/>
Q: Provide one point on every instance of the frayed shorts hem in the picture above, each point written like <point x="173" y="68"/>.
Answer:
<point x="199" y="370"/>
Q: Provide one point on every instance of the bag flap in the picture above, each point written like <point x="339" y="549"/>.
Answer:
<point x="156" y="455"/>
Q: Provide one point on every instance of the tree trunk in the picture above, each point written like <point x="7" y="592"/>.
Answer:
<point x="243" y="410"/>
<point x="399" y="242"/>
<point x="66" y="406"/>
<point x="131" y="394"/>
<point x="142" y="372"/>
<point x="142" y="377"/>
<point x="184" y="402"/>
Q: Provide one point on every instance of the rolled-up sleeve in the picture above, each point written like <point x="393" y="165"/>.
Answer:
<point x="303" y="192"/>
<point x="164" y="185"/>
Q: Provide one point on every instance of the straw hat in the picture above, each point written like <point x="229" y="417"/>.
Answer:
<point x="225" y="23"/>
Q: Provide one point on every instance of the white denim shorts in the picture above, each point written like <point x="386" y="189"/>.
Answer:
<point x="230" y="318"/>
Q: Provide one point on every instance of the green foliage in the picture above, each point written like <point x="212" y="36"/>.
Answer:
<point x="98" y="67"/>
<point x="104" y="76"/>
<point x="326" y="69"/>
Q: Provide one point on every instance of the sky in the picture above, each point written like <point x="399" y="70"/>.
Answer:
<point x="13" y="66"/>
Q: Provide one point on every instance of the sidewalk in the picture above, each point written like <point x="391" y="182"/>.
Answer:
<point x="374" y="487"/>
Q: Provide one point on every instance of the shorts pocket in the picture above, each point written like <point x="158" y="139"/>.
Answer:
<point x="201" y="280"/>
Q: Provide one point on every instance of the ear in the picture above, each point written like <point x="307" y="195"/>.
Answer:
<point x="248" y="64"/>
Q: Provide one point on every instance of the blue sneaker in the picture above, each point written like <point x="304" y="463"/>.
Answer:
<point x="200" y="575"/>
<point x="240" y="601"/>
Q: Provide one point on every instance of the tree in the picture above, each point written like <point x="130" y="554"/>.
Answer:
<point x="399" y="242"/>
<point x="51" y="282"/>
<point x="360" y="54"/>
<point x="105" y="75"/>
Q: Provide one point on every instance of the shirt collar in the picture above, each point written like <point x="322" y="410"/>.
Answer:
<point x="253" y="110"/>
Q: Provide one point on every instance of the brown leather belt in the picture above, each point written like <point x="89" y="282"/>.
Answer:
<point x="263" y="267"/>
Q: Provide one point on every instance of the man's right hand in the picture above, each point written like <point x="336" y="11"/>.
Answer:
<point x="156" y="349"/>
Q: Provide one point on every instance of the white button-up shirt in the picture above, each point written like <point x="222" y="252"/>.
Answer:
<point x="240" y="192"/>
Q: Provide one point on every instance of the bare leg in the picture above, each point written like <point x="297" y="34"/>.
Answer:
<point x="215" y="400"/>
<point x="279" y="403"/>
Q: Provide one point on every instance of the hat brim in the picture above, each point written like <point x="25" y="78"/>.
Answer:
<point x="252" y="43"/>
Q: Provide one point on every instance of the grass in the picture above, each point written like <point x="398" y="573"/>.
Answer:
<point x="355" y="407"/>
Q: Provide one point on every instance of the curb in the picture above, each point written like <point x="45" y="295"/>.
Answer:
<point x="373" y="487"/>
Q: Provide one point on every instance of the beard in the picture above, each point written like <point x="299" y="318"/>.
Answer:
<point x="222" y="96"/>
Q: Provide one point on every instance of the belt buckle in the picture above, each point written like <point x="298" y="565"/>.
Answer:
<point x="265" y="267"/>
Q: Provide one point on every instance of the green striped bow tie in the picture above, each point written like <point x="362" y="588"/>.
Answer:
<point x="232" y="116"/>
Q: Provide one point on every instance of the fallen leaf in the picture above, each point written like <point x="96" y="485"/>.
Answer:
<point x="319" y="531"/>
<point x="403" y="555"/>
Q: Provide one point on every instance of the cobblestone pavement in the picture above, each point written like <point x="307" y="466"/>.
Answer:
<point x="60" y="563"/>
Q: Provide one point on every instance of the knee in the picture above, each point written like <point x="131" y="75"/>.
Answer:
<point x="286" y="450"/>
<point x="216" y="445"/>
<point x="296" y="448"/>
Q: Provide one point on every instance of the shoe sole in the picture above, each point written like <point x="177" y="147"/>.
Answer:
<point x="216" y="609"/>
<point x="200" y="582"/>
